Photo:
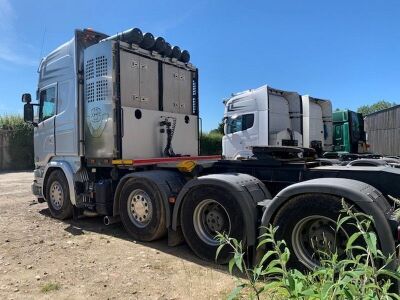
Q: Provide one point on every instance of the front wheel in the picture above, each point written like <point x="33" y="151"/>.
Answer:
<point x="205" y="212"/>
<point x="57" y="196"/>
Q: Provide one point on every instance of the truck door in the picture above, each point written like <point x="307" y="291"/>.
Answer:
<point x="239" y="136"/>
<point x="341" y="140"/>
<point x="66" y="129"/>
<point x="44" y="141"/>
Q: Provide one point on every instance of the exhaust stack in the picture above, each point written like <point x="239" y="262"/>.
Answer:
<point x="108" y="220"/>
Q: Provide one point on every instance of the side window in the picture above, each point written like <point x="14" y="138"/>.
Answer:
<point x="239" y="123"/>
<point x="47" y="103"/>
<point x="248" y="121"/>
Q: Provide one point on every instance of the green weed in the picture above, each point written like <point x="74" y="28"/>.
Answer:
<point x="364" y="273"/>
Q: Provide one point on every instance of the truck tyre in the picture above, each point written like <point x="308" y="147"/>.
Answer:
<point x="205" y="212"/>
<point x="57" y="195"/>
<point x="141" y="210"/>
<point x="307" y="224"/>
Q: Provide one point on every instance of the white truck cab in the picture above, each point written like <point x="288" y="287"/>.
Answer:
<point x="261" y="117"/>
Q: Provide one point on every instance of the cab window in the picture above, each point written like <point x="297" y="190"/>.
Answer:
<point x="47" y="103"/>
<point x="239" y="123"/>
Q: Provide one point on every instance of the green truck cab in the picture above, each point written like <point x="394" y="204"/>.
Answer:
<point x="348" y="132"/>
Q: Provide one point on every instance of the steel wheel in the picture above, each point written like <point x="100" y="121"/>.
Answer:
<point x="315" y="236"/>
<point x="56" y="195"/>
<point x="139" y="207"/>
<point x="209" y="218"/>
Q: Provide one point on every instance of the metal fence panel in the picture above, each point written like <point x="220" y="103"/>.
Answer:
<point x="383" y="131"/>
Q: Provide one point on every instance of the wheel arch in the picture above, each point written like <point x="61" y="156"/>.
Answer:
<point x="68" y="173"/>
<point x="169" y="183"/>
<point x="364" y="196"/>
<point x="247" y="190"/>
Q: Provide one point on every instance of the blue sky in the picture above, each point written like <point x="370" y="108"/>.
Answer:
<point x="346" y="51"/>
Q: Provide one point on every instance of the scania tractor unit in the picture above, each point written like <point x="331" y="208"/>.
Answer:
<point x="269" y="117"/>
<point x="116" y="134"/>
<point x="261" y="117"/>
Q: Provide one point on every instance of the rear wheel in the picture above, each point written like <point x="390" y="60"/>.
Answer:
<point x="307" y="223"/>
<point x="141" y="210"/>
<point x="57" y="195"/>
<point x="206" y="212"/>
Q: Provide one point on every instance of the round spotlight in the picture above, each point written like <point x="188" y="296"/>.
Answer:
<point x="185" y="56"/>
<point x="176" y="52"/>
<point x="167" y="50"/>
<point x="133" y="36"/>
<point x="159" y="45"/>
<point x="148" y="41"/>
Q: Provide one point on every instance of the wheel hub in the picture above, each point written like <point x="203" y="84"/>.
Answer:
<point x="209" y="218"/>
<point x="140" y="208"/>
<point x="314" y="236"/>
<point x="56" y="195"/>
<point x="322" y="239"/>
<point x="215" y="220"/>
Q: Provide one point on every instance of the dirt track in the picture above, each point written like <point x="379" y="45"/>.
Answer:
<point x="85" y="259"/>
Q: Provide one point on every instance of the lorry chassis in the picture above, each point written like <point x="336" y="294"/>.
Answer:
<point x="191" y="199"/>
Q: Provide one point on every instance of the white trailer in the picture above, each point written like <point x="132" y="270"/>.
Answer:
<point x="261" y="117"/>
<point x="317" y="123"/>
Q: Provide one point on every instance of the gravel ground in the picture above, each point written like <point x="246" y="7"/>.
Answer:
<point x="44" y="258"/>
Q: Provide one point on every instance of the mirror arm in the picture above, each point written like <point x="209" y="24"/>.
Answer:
<point x="34" y="124"/>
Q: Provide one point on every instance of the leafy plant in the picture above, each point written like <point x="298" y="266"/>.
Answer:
<point x="363" y="274"/>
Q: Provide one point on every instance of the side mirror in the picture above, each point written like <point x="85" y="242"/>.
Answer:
<point x="27" y="98"/>
<point x="28" y="113"/>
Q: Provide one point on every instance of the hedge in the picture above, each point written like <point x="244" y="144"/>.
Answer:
<point x="20" y="141"/>
<point x="211" y="143"/>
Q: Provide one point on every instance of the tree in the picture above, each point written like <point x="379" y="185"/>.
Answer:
<point x="219" y="129"/>
<point x="369" y="109"/>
